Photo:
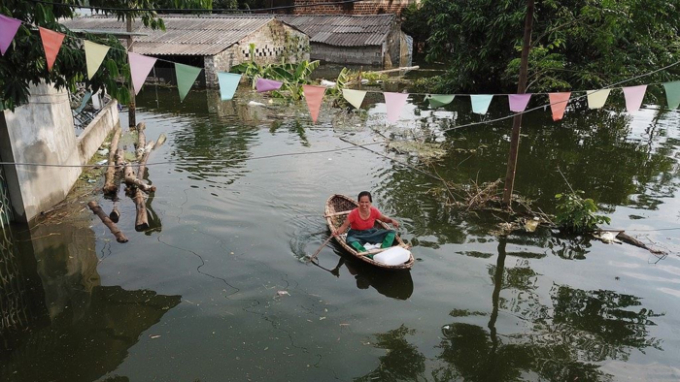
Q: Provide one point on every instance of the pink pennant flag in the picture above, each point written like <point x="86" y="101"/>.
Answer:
<point x="313" y="96"/>
<point x="51" y="42"/>
<point x="140" y="66"/>
<point x="558" y="104"/>
<point x="518" y="102"/>
<point x="8" y="28"/>
<point x="394" y="102"/>
<point x="634" y="96"/>
<point x="263" y="85"/>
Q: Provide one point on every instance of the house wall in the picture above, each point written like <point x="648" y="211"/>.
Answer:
<point x="42" y="131"/>
<point x="363" y="55"/>
<point x="366" y="7"/>
<point x="274" y="43"/>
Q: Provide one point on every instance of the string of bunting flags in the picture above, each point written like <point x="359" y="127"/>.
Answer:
<point x="141" y="65"/>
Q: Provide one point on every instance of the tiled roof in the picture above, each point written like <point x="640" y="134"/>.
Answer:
<point x="183" y="35"/>
<point x="343" y="30"/>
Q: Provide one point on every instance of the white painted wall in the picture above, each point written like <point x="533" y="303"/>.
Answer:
<point x="43" y="132"/>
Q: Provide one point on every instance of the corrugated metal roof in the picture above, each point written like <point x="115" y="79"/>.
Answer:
<point x="343" y="30"/>
<point x="183" y="35"/>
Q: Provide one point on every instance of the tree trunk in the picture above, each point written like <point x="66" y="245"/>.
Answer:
<point x="133" y="181"/>
<point x="517" y="121"/>
<point x="120" y="237"/>
<point x="109" y="186"/>
<point x="141" y="140"/>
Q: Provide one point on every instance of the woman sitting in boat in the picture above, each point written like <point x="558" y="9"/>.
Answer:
<point x="361" y="222"/>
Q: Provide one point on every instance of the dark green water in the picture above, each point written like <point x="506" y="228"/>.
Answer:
<point x="216" y="289"/>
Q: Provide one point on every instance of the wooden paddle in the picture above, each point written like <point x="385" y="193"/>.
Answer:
<point x="320" y="248"/>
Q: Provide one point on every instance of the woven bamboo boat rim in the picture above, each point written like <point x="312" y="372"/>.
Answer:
<point x="337" y="208"/>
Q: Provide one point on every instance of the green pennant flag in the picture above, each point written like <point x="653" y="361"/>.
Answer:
<point x="439" y="100"/>
<point x="672" y="94"/>
<point x="186" y="76"/>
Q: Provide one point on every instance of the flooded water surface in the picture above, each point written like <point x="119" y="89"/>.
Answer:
<point x="217" y="289"/>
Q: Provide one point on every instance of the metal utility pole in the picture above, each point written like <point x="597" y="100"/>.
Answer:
<point x="132" y="121"/>
<point x="517" y="121"/>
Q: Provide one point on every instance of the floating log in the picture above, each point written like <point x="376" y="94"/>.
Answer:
<point x="141" y="140"/>
<point x="115" y="212"/>
<point x="142" y="218"/>
<point x="633" y="241"/>
<point x="132" y="180"/>
<point x="109" y="185"/>
<point x="120" y="237"/>
<point x="396" y="69"/>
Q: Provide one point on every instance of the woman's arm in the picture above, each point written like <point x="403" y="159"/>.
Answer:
<point x="386" y="219"/>
<point x="343" y="228"/>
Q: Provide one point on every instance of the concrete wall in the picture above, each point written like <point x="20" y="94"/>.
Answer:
<point x="274" y="43"/>
<point x="43" y="132"/>
<point x="96" y="132"/>
<point x="363" y="55"/>
<point x="366" y="7"/>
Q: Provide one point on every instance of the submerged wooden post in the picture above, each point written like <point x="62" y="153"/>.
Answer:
<point x="120" y="237"/>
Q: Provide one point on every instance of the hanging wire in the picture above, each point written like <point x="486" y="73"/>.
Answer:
<point x="197" y="10"/>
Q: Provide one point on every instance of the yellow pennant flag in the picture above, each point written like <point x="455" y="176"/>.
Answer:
<point x="354" y="97"/>
<point x="597" y="98"/>
<point x="94" y="55"/>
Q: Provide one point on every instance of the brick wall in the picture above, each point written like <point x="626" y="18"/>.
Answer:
<point x="274" y="43"/>
<point x="367" y="7"/>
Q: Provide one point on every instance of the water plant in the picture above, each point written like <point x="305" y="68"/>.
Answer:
<point x="576" y="214"/>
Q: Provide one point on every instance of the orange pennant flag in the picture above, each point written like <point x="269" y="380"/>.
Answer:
<point x="313" y="96"/>
<point x="558" y="103"/>
<point x="51" y="42"/>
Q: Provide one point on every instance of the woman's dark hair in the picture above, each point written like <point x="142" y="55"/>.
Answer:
<point x="365" y="193"/>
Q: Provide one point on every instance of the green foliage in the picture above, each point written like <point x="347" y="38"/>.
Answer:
<point x="26" y="51"/>
<point x="414" y="22"/>
<point x="577" y="215"/>
<point x="576" y="44"/>
<point x="293" y="76"/>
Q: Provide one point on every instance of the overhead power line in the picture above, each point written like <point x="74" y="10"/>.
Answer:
<point x="196" y="10"/>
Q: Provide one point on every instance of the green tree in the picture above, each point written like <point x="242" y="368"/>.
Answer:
<point x="26" y="51"/>
<point x="576" y="44"/>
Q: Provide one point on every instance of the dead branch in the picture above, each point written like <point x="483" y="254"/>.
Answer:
<point x="141" y="140"/>
<point x="133" y="181"/>
<point x="633" y="241"/>
<point x="109" y="185"/>
<point x="120" y="237"/>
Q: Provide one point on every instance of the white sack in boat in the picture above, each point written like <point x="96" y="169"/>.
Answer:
<point x="393" y="256"/>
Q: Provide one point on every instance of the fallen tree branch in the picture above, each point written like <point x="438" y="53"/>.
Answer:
<point x="120" y="237"/>
<point x="109" y="186"/>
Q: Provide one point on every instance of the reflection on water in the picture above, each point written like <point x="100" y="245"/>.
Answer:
<point x="63" y="324"/>
<point x="564" y="343"/>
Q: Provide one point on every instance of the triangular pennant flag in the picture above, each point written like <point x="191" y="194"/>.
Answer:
<point x="354" y="97"/>
<point x="186" y="76"/>
<point x="313" y="96"/>
<point x="634" y="96"/>
<point x="672" y="94"/>
<point x="94" y="55"/>
<point x="439" y="100"/>
<point x="518" y="102"/>
<point x="394" y="102"/>
<point x="558" y="103"/>
<point x="140" y="66"/>
<point x="51" y="42"/>
<point x="8" y="28"/>
<point x="597" y="98"/>
<point x="263" y="85"/>
<point x="228" y="84"/>
<point x="480" y="103"/>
